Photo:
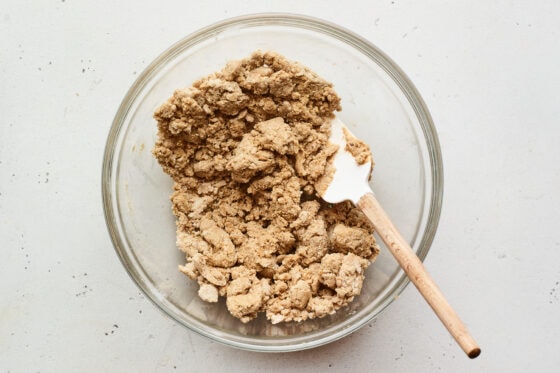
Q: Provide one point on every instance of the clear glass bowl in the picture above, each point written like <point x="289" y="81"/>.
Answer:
<point x="380" y="105"/>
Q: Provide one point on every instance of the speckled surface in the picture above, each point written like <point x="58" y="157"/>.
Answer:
<point x="489" y="74"/>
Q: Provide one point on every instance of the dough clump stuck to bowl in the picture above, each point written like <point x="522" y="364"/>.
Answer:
<point x="244" y="147"/>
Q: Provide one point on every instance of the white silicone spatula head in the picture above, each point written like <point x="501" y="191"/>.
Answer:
<point x="349" y="181"/>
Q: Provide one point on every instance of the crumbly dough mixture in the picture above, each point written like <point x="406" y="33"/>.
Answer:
<point x="244" y="147"/>
<point x="359" y="149"/>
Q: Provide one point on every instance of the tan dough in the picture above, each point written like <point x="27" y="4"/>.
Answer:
<point x="245" y="146"/>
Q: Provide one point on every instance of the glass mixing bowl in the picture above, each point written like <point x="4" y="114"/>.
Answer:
<point x="380" y="105"/>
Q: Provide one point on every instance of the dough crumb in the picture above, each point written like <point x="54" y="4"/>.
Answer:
<point x="359" y="149"/>
<point x="208" y="293"/>
<point x="245" y="147"/>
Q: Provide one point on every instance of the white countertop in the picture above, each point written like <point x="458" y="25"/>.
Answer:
<point x="489" y="75"/>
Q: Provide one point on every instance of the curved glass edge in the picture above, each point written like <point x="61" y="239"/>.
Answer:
<point x="313" y="24"/>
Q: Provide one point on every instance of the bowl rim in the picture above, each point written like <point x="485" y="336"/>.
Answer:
<point x="301" y="22"/>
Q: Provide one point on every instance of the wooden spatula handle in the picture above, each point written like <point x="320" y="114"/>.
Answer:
<point x="416" y="272"/>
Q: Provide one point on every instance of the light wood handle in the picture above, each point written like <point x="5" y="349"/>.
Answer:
<point x="416" y="272"/>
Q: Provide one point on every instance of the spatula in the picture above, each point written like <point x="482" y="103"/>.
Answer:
<point x="350" y="182"/>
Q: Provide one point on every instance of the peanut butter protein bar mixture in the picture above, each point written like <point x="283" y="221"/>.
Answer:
<point x="244" y="147"/>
